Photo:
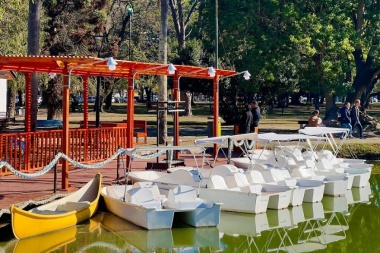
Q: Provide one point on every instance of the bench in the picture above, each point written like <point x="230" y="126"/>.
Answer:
<point x="140" y="129"/>
<point x="303" y="123"/>
<point x="4" y="125"/>
<point x="76" y="106"/>
<point x="49" y="124"/>
<point x="91" y="123"/>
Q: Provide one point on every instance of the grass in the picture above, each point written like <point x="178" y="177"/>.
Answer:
<point x="278" y="121"/>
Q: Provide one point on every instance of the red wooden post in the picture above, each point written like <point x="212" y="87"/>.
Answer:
<point x="130" y="112"/>
<point x="176" y="97"/>
<point x="28" y="118"/>
<point x="216" y="111"/>
<point x="65" y="131"/>
<point x="28" y="104"/>
<point x="85" y="115"/>
<point x="85" y="101"/>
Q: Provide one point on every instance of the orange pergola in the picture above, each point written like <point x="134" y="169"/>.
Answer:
<point x="90" y="66"/>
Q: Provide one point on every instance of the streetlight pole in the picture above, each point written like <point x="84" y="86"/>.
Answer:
<point x="130" y="12"/>
<point x="99" y="41"/>
<point x="216" y="34"/>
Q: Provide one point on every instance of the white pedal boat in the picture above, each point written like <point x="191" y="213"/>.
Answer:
<point x="144" y="205"/>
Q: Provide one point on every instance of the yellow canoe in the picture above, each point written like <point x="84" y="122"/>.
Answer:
<point x="62" y="213"/>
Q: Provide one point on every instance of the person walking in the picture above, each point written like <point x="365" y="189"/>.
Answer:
<point x="255" y="109"/>
<point x="355" y="118"/>
<point x="344" y="118"/>
<point x="246" y="120"/>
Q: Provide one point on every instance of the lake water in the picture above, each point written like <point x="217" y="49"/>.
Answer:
<point x="340" y="224"/>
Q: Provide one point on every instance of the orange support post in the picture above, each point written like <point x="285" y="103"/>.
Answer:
<point x="216" y="110"/>
<point x="176" y="97"/>
<point x="65" y="131"/>
<point x="130" y="112"/>
<point x="85" y="101"/>
<point x="28" y="104"/>
<point x="85" y="113"/>
<point x="28" y="117"/>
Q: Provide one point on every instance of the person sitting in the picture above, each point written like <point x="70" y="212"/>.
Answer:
<point x="315" y="120"/>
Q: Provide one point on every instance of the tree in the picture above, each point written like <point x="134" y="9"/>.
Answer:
<point x="163" y="58"/>
<point x="13" y="16"/>
<point x="34" y="49"/>
<point x="366" y="54"/>
<point x="69" y="29"/>
<point x="182" y="12"/>
<point x="191" y="54"/>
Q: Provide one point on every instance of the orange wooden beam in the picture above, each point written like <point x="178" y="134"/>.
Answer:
<point x="130" y="111"/>
<point x="65" y="132"/>
<point x="176" y="97"/>
<point x="85" y="101"/>
<point x="216" y="110"/>
<point x="28" y="100"/>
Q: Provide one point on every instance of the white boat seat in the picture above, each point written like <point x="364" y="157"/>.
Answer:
<point x="282" y="177"/>
<point x="72" y="206"/>
<point x="279" y="161"/>
<point x="153" y="187"/>
<point x="182" y="197"/>
<point x="310" y="155"/>
<point x="255" y="177"/>
<point x="143" y="197"/>
<point x="111" y="193"/>
<point x="324" y="164"/>
<point x="218" y="182"/>
<point x="239" y="180"/>
<point x="260" y="153"/>
<point x="295" y="154"/>
<point x="179" y="177"/>
<point x="225" y="169"/>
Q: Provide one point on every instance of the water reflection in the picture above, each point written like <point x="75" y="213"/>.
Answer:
<point x="310" y="227"/>
<point x="337" y="224"/>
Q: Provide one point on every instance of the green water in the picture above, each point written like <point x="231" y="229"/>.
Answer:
<point x="340" y="224"/>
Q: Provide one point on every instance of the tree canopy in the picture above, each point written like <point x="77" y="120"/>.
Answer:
<point x="326" y="48"/>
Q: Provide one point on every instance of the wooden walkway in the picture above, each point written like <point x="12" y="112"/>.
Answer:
<point x="16" y="190"/>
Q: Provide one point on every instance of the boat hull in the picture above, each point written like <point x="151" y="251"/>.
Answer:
<point x="28" y="223"/>
<point x="314" y="194"/>
<point x="236" y="201"/>
<point x="200" y="217"/>
<point x="148" y="218"/>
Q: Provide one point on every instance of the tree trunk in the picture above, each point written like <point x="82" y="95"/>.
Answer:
<point x="365" y="74"/>
<point x="331" y="108"/>
<point x="186" y="97"/>
<point x="163" y="58"/>
<point x="11" y="100"/>
<point x="20" y="98"/>
<point x="53" y="98"/>
<point x="367" y="94"/>
<point x="363" y="78"/>
<point x="33" y="49"/>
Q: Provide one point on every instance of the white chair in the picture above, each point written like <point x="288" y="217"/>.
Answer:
<point x="182" y="197"/>
<point x="239" y="180"/>
<point x="143" y="197"/>
<point x="153" y="187"/>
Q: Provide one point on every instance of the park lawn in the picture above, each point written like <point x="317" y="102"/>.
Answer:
<point x="279" y="121"/>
